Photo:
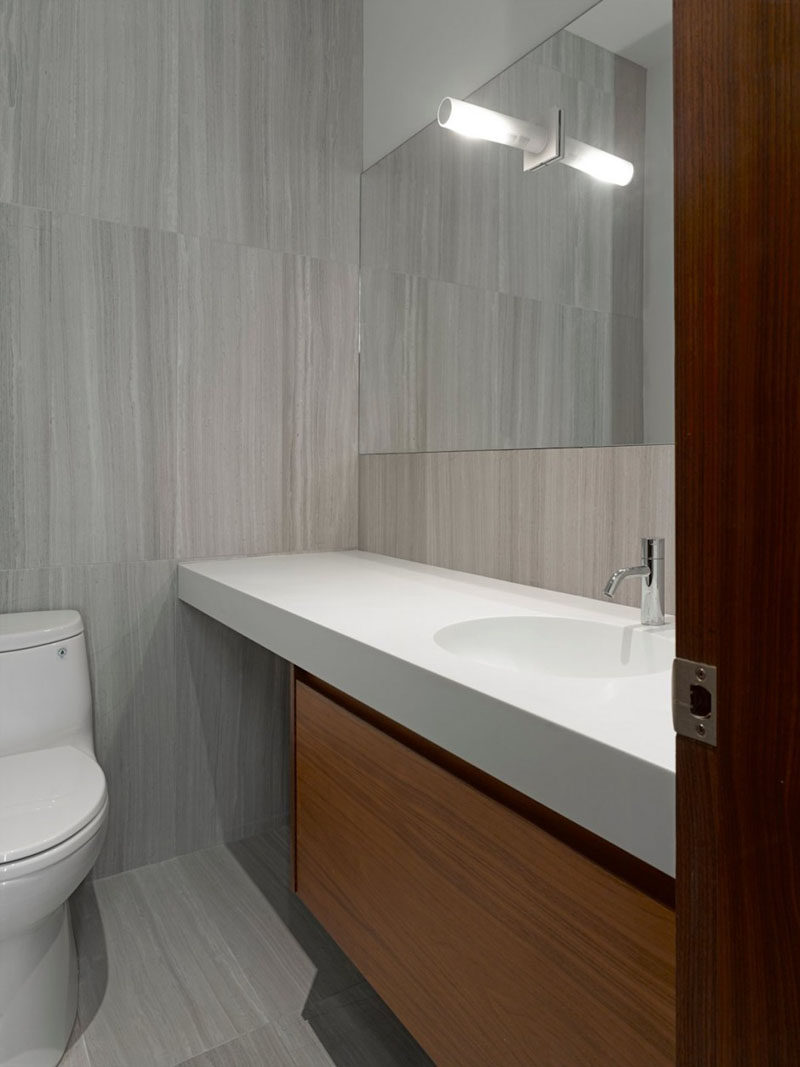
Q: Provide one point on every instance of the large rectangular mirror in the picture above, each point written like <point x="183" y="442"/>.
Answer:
<point x="505" y="309"/>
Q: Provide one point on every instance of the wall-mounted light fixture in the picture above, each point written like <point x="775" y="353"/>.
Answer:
<point x="542" y="141"/>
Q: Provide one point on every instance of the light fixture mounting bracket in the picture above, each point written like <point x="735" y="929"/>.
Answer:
<point x="553" y="150"/>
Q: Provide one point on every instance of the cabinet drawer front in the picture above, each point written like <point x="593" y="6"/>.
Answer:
<point x="493" y="942"/>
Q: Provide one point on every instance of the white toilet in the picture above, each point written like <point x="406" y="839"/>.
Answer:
<point x="53" y="814"/>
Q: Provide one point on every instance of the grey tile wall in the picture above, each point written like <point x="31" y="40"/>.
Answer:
<point x="190" y="722"/>
<point x="270" y="137"/>
<point x="554" y="518"/>
<point x="463" y="211"/>
<point x="267" y="386"/>
<point x="89" y="107"/>
<point x="129" y="609"/>
<point x="178" y="373"/>
<point x="503" y="311"/>
<point x="240" y="121"/>
<point x="234" y="764"/>
<point x="448" y="367"/>
<point x="88" y="413"/>
<point x="445" y="209"/>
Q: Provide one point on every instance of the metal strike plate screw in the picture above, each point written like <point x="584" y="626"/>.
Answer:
<point x="700" y="673"/>
<point x="62" y="652"/>
<point x="700" y="729"/>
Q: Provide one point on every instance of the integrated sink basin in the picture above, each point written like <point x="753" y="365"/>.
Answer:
<point x="564" y="647"/>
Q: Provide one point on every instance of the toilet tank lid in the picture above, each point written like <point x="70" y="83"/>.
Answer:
<point x="28" y="629"/>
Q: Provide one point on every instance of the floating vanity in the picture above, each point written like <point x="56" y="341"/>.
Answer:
<point x="483" y="798"/>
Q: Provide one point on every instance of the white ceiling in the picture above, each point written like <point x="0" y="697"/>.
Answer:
<point x="625" y="26"/>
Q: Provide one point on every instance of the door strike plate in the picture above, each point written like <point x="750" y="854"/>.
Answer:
<point x="694" y="701"/>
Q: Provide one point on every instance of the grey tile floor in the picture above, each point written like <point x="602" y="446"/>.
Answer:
<point x="209" y="960"/>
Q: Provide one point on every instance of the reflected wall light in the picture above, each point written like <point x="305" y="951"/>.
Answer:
<point x="542" y="141"/>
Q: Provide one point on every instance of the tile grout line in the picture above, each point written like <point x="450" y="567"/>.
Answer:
<point x="187" y="235"/>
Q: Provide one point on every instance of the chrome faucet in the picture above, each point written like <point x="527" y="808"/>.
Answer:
<point x="651" y="572"/>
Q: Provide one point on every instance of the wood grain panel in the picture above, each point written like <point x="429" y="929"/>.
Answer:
<point x="611" y="858"/>
<point x="737" y="127"/>
<point x="492" y="941"/>
<point x="554" y="518"/>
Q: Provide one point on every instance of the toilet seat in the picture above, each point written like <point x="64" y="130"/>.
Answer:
<point x="43" y="861"/>
<point x="46" y="798"/>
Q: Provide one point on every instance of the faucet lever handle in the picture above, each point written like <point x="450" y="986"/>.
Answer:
<point x="652" y="548"/>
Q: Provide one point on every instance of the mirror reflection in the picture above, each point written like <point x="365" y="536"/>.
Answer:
<point x="505" y="307"/>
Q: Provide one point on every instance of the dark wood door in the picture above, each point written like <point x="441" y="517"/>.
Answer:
<point x="737" y="141"/>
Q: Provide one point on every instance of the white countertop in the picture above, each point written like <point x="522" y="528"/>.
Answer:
<point x="598" y="751"/>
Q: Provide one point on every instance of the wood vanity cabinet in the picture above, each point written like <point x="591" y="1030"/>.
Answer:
<point x="492" y="940"/>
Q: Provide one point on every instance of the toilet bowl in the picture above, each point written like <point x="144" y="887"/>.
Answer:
<point x="53" y="816"/>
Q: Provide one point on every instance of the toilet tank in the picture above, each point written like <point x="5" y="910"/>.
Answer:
<point x="45" y="696"/>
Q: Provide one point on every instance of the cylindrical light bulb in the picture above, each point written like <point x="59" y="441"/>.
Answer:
<point x="473" y="121"/>
<point x="601" y="165"/>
